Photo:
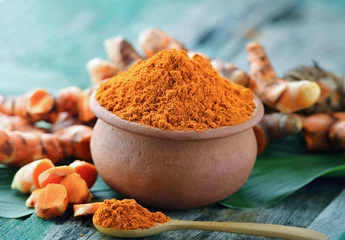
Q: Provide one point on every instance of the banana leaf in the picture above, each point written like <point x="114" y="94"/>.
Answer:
<point x="285" y="167"/>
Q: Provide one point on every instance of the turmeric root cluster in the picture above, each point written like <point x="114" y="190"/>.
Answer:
<point x="304" y="90"/>
<point x="68" y="114"/>
<point x="289" y="101"/>
<point x="53" y="188"/>
<point x="325" y="131"/>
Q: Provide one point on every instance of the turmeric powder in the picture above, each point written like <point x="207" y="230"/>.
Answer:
<point x="126" y="214"/>
<point x="173" y="92"/>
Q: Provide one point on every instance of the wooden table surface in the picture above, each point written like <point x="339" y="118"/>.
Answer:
<point x="47" y="43"/>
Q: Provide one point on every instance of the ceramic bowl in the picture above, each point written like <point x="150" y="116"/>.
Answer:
<point x="172" y="169"/>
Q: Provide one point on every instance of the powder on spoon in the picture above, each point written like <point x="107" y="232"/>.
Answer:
<point x="126" y="214"/>
<point x="173" y="92"/>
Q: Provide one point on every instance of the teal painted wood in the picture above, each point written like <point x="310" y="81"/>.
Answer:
<point x="331" y="220"/>
<point x="47" y="44"/>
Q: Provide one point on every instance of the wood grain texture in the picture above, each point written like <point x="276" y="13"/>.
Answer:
<point x="48" y="44"/>
<point x="331" y="220"/>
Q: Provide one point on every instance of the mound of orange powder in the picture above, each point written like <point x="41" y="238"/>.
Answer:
<point x="173" y="92"/>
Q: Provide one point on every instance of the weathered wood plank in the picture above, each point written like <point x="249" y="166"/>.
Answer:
<point x="225" y="26"/>
<point x="331" y="220"/>
<point x="7" y="224"/>
<point x="297" y="210"/>
<point x="312" y="32"/>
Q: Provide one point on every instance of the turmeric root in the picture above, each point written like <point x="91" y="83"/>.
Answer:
<point x="100" y="70"/>
<point x="75" y="141"/>
<point x="64" y="120"/>
<point x="121" y="52"/>
<point x="337" y="135"/>
<point x="19" y="148"/>
<point x="85" y="209"/>
<point x="316" y="128"/>
<point x="66" y="100"/>
<point x="87" y="171"/>
<point x="278" y="93"/>
<point x="192" y="53"/>
<point x="77" y="189"/>
<point x="231" y="72"/>
<point x="34" y="105"/>
<point x="339" y="116"/>
<point x="15" y="123"/>
<point x="39" y="105"/>
<point x="26" y="178"/>
<point x="75" y="102"/>
<point x="84" y="112"/>
<point x="325" y="132"/>
<point x="331" y="86"/>
<point x="31" y="201"/>
<point x="54" y="175"/>
<point x="155" y="40"/>
<point x="52" y="201"/>
<point x="275" y="126"/>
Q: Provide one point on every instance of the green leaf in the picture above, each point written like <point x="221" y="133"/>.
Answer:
<point x="12" y="203"/>
<point x="284" y="168"/>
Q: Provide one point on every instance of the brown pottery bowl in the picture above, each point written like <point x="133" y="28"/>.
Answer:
<point x="172" y="169"/>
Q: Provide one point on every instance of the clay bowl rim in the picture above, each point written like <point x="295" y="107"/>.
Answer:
<point x="137" y="128"/>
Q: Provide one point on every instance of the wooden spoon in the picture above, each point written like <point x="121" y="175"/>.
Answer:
<point x="258" y="229"/>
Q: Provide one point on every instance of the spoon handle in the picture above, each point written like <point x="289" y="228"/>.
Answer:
<point x="258" y="229"/>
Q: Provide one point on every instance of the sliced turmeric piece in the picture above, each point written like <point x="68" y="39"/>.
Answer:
<point x="52" y="201"/>
<point x="39" y="104"/>
<point x="31" y="201"/>
<point x="26" y="179"/>
<point x="87" y="171"/>
<point x="33" y="106"/>
<point x="85" y="209"/>
<point x="19" y="184"/>
<point x="77" y="189"/>
<point x="54" y="175"/>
